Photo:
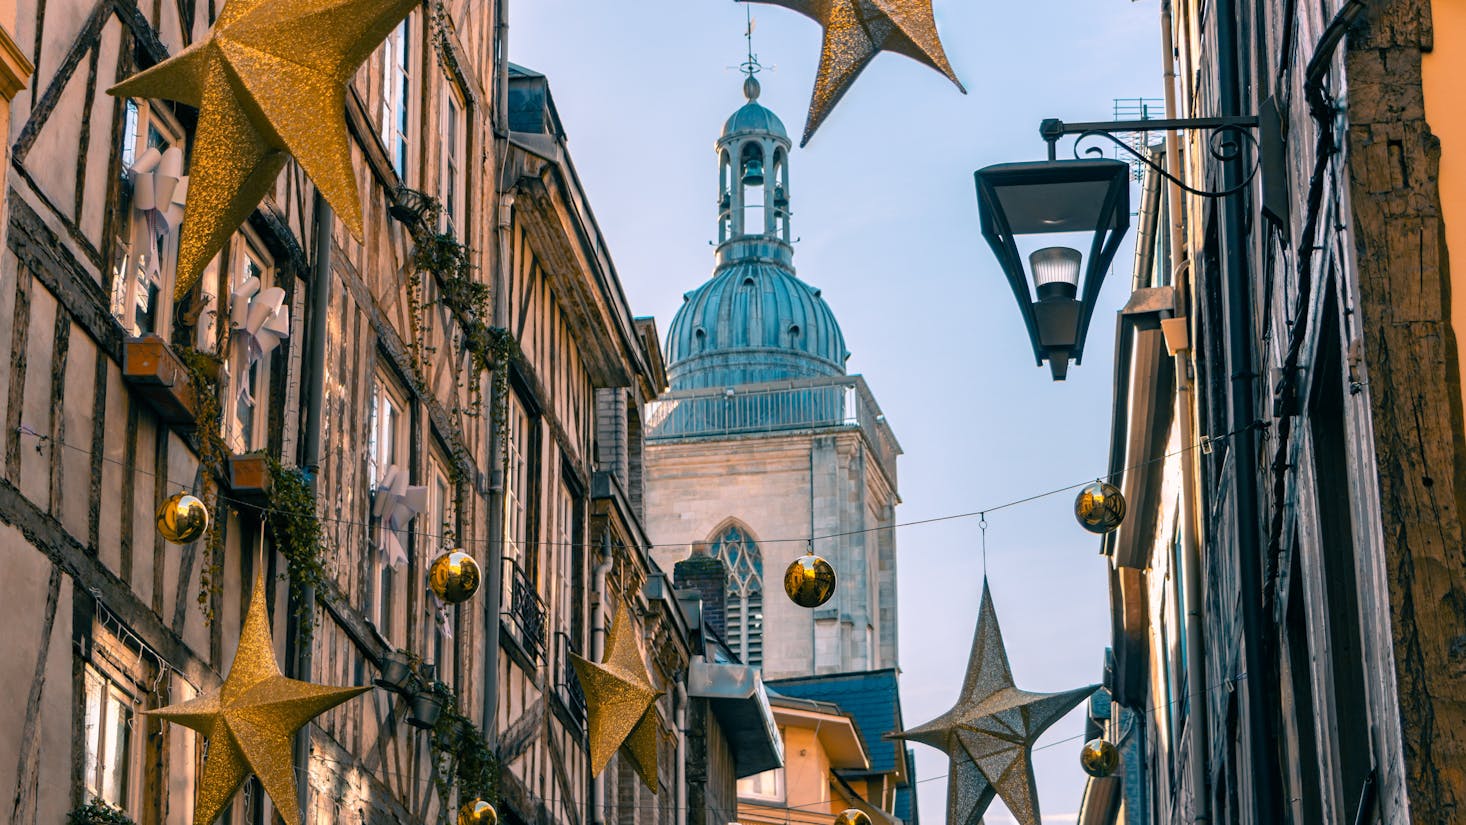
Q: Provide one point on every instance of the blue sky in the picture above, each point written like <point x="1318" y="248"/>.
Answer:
<point x="883" y="203"/>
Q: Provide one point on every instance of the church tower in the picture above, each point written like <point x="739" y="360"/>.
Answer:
<point x="764" y="447"/>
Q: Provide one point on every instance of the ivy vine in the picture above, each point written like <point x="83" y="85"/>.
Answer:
<point x="295" y="530"/>
<point x="203" y="370"/>
<point x="457" y="741"/>
<point x="97" y="812"/>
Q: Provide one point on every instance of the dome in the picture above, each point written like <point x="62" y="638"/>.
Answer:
<point x="752" y="322"/>
<point x="752" y="117"/>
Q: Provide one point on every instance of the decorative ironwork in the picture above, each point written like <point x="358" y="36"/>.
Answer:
<point x="526" y="611"/>
<point x="1227" y="139"/>
<point x="409" y="206"/>
<point x="568" y="684"/>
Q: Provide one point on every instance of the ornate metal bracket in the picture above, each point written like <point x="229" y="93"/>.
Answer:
<point x="1228" y="137"/>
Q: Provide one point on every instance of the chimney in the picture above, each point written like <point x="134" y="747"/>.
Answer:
<point x="705" y="573"/>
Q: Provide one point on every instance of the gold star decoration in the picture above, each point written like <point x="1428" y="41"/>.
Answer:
<point x="269" y="80"/>
<point x="989" y="734"/>
<point x="250" y="722"/>
<point x="855" y="30"/>
<point x="618" y="700"/>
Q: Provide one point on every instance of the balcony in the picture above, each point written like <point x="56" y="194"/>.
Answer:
<point x="837" y="402"/>
<point x="525" y="611"/>
<point x="567" y="684"/>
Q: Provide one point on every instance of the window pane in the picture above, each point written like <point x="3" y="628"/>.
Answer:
<point x="92" y="731"/>
<point x="114" y="750"/>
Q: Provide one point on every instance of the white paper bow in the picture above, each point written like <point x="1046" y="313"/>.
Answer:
<point x="159" y="190"/>
<point x="395" y="506"/>
<point x="257" y="322"/>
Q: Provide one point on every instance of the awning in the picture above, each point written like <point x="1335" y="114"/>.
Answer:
<point x="736" y="695"/>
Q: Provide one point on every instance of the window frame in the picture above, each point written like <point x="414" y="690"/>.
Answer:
<point x="245" y="245"/>
<point x="381" y="604"/>
<point x="452" y="168"/>
<point x="397" y="100"/>
<point x="146" y="119"/>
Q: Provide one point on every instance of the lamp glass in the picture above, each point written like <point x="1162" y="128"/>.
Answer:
<point x="1055" y="265"/>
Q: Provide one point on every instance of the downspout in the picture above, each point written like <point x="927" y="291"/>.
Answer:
<point x="1186" y="419"/>
<point x="679" y="796"/>
<point x="1263" y="767"/>
<point x="313" y="370"/>
<point x="597" y="653"/>
<point x="493" y="599"/>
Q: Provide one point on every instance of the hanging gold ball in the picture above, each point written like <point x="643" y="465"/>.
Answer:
<point x="853" y="816"/>
<point x="182" y="518"/>
<point x="477" y="812"/>
<point x="1099" y="758"/>
<point x="1100" y="507"/>
<point x="809" y="581"/>
<point x="454" y="577"/>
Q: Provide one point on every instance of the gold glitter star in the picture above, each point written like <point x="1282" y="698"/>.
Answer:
<point x="855" y="30"/>
<point x="269" y="79"/>
<point x="989" y="734"/>
<point x="618" y="699"/>
<point x="250" y="722"/>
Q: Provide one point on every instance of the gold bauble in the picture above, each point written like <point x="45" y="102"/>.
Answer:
<point x="477" y="812"/>
<point x="182" y="518"/>
<point x="1100" y="507"/>
<point x="809" y="581"/>
<point x="454" y="577"/>
<point x="853" y="816"/>
<point x="1099" y="758"/>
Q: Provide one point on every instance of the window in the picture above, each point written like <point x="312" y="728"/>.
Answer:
<point x="107" y="729"/>
<point x="768" y="786"/>
<point x="454" y="149"/>
<point x="520" y="499"/>
<point x="387" y="446"/>
<point x="397" y="94"/>
<point x="143" y="271"/>
<point x="745" y="601"/>
<point x="247" y="409"/>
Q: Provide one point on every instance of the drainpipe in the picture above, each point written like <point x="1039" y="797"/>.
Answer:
<point x="1186" y="419"/>
<point x="597" y="653"/>
<point x="313" y="370"/>
<point x="493" y="599"/>
<point x="679" y="796"/>
<point x="1263" y="767"/>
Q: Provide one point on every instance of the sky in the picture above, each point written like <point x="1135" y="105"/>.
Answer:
<point x="884" y="205"/>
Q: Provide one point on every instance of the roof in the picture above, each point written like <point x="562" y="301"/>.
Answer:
<point x="905" y="807"/>
<point x="753" y="117"/>
<point x="872" y="699"/>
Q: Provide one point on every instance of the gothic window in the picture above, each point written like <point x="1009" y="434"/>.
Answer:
<point x="745" y="602"/>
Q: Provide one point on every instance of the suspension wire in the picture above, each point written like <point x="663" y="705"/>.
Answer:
<point x="982" y="524"/>
<point x="1205" y="444"/>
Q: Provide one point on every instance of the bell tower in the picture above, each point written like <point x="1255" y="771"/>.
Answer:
<point x="753" y="171"/>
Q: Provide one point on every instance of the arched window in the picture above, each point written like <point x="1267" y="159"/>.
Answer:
<point x="745" y="597"/>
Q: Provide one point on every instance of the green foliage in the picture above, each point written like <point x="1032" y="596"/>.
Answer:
<point x="203" y="377"/>
<point x="457" y="741"/>
<point x="97" y="812"/>
<point x="296" y="532"/>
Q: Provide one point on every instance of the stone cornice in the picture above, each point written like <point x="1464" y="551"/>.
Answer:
<point x="15" y="69"/>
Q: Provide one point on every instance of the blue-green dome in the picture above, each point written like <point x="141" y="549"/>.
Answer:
<point x="753" y="322"/>
<point x="752" y="117"/>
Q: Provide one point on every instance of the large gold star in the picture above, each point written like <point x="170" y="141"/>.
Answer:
<point x="855" y="30"/>
<point x="250" y="721"/>
<point x="989" y="734"/>
<point x="618" y="699"/>
<point x="269" y="79"/>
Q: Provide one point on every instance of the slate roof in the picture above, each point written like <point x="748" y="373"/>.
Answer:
<point x="871" y="697"/>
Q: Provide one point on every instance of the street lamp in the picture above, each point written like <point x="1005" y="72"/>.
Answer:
<point x="1019" y="200"/>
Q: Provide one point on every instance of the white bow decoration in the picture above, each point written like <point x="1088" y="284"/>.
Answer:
<point x="257" y="321"/>
<point x="395" y="506"/>
<point x="159" y="190"/>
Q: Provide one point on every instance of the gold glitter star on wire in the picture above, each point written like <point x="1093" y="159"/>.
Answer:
<point x="989" y="734"/>
<point x="618" y="700"/>
<point x="855" y="30"/>
<point x="250" y="722"/>
<point x="269" y="80"/>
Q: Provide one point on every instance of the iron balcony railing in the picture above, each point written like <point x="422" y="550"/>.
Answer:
<point x="526" y="610"/>
<point x="803" y="404"/>
<point x="567" y="684"/>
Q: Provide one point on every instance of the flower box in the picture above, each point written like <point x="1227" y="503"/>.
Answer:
<point x="158" y="377"/>
<point x="249" y="478"/>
